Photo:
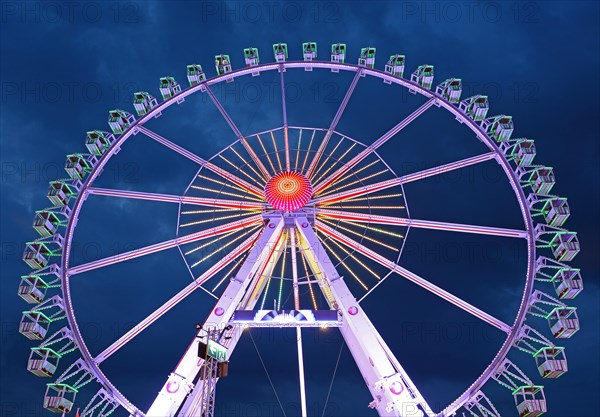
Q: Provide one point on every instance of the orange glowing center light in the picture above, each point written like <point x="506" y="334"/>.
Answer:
<point x="288" y="191"/>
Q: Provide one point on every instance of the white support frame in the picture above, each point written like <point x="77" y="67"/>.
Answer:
<point x="391" y="388"/>
<point x="180" y="382"/>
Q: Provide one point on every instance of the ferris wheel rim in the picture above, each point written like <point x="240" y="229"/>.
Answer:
<point x="132" y="130"/>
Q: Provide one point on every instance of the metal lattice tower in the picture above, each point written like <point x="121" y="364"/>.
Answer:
<point x="208" y="375"/>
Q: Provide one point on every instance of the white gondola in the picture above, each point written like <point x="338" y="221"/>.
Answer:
<point x="499" y="127"/>
<point x="169" y="88"/>
<point x="37" y="253"/>
<point x="98" y="141"/>
<point x="143" y="102"/>
<point x="32" y="289"/>
<point x="309" y="53"/>
<point x="338" y="54"/>
<point x="568" y="283"/>
<point x="59" y="398"/>
<point x="43" y="362"/>
<point x="395" y="67"/>
<point x="34" y="323"/>
<point x="556" y="211"/>
<point x="79" y="165"/>
<point x="475" y="107"/>
<point x="563" y="322"/>
<point x="280" y="51"/>
<point x="523" y="152"/>
<point x="120" y="120"/>
<point x="223" y="66"/>
<point x="195" y="74"/>
<point x="60" y="192"/>
<point x="566" y="280"/>
<point x="46" y="222"/>
<point x="367" y="58"/>
<point x="562" y="319"/>
<point x="564" y="245"/>
<point x="34" y="286"/>
<point x="551" y="361"/>
<point x="423" y="76"/>
<point x="539" y="178"/>
<point x="252" y="59"/>
<point x="451" y="89"/>
<point x="530" y="400"/>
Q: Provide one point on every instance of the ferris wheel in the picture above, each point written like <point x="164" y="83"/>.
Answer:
<point x="294" y="227"/>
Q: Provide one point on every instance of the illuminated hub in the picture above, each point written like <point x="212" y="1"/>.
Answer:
<point x="288" y="191"/>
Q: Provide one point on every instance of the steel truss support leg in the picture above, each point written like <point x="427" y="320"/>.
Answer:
<point x="392" y="390"/>
<point x="181" y="382"/>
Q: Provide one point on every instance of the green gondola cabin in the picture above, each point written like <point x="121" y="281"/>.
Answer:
<point x="280" y="52"/>
<point x="169" y="87"/>
<point x="143" y="102"/>
<point x="98" y="141"/>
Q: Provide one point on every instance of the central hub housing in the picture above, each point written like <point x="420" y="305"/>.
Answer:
<point x="288" y="191"/>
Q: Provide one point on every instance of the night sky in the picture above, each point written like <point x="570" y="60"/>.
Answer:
<point x="65" y="64"/>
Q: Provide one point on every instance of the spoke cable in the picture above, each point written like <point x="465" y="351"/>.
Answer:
<point x="333" y="378"/>
<point x="267" y="372"/>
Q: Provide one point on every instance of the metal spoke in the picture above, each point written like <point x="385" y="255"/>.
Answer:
<point x="262" y="146"/>
<point x="372" y="148"/>
<point x="359" y="180"/>
<point x="238" y="133"/>
<point x="324" y="164"/>
<point x="168" y="198"/>
<point x="202" y="162"/>
<point x="361" y="235"/>
<point x="334" y="234"/>
<point x="307" y="274"/>
<point x="334" y="122"/>
<point x="177" y="298"/>
<point x="341" y="262"/>
<point x="298" y="150"/>
<point x="223" y="192"/>
<point x="157" y="247"/>
<point x="349" y="174"/>
<point x="266" y="272"/>
<point x="332" y="165"/>
<point x="246" y="163"/>
<point x="285" y="124"/>
<point x="227" y="242"/>
<point x="307" y="153"/>
<point x="424" y="224"/>
<point x="276" y="151"/>
<point x="378" y="186"/>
